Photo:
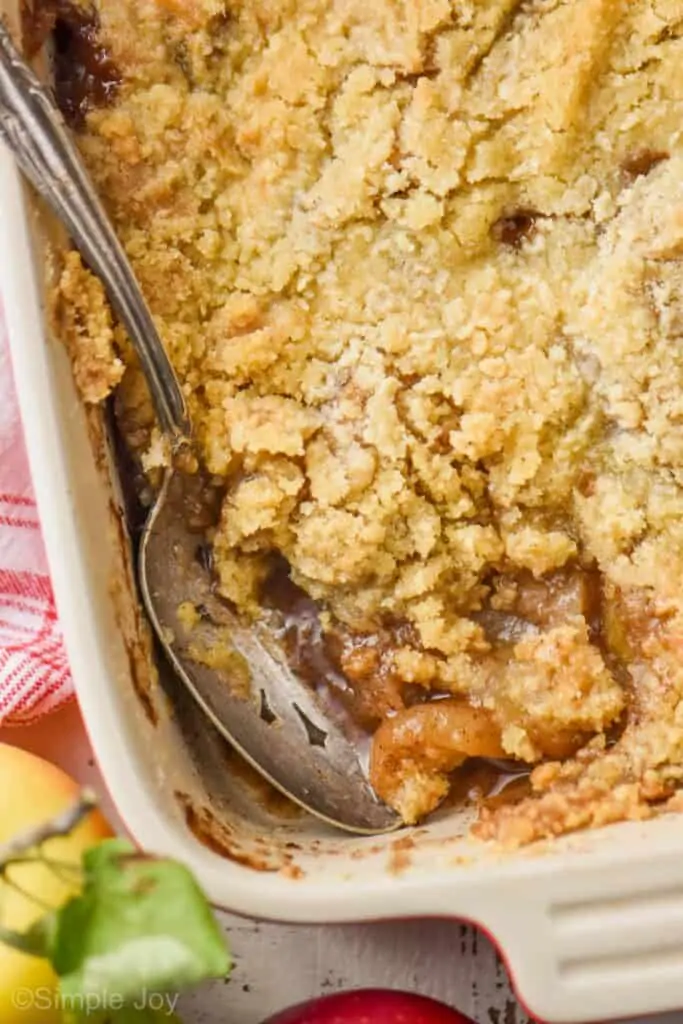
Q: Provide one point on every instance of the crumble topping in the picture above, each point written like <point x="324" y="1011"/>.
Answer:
<point x="85" y="324"/>
<point x="419" y="267"/>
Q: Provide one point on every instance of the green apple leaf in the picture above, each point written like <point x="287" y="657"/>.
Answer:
<point x="145" y="1015"/>
<point x="127" y="1015"/>
<point x="141" y="925"/>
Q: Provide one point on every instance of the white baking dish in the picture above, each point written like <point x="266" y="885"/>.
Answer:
<point x="591" y="926"/>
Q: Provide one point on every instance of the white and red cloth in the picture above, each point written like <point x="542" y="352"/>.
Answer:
<point x="34" y="672"/>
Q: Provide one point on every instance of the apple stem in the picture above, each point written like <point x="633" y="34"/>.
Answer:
<point x="59" y="827"/>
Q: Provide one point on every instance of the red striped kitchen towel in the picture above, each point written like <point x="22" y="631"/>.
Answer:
<point x="34" y="672"/>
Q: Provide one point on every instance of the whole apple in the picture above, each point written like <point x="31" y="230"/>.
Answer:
<point x="32" y="792"/>
<point x="371" y="1006"/>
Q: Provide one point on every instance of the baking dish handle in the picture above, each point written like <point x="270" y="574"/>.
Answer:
<point x="609" y="946"/>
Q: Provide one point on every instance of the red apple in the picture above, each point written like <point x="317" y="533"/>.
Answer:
<point x="371" y="1006"/>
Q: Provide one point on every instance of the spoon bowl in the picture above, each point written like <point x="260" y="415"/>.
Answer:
<point x="238" y="672"/>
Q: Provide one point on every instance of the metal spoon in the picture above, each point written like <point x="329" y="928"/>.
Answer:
<point x="236" y="671"/>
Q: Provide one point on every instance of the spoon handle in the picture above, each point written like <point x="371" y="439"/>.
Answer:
<point x="33" y="128"/>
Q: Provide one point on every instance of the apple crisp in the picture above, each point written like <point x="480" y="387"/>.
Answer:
<point x="419" y="267"/>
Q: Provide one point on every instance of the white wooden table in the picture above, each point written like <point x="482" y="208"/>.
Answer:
<point x="278" y="965"/>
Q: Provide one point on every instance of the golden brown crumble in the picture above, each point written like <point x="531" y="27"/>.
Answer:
<point x="419" y="265"/>
<point x="85" y="324"/>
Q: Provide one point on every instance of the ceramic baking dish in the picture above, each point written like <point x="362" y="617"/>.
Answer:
<point x="591" y="926"/>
